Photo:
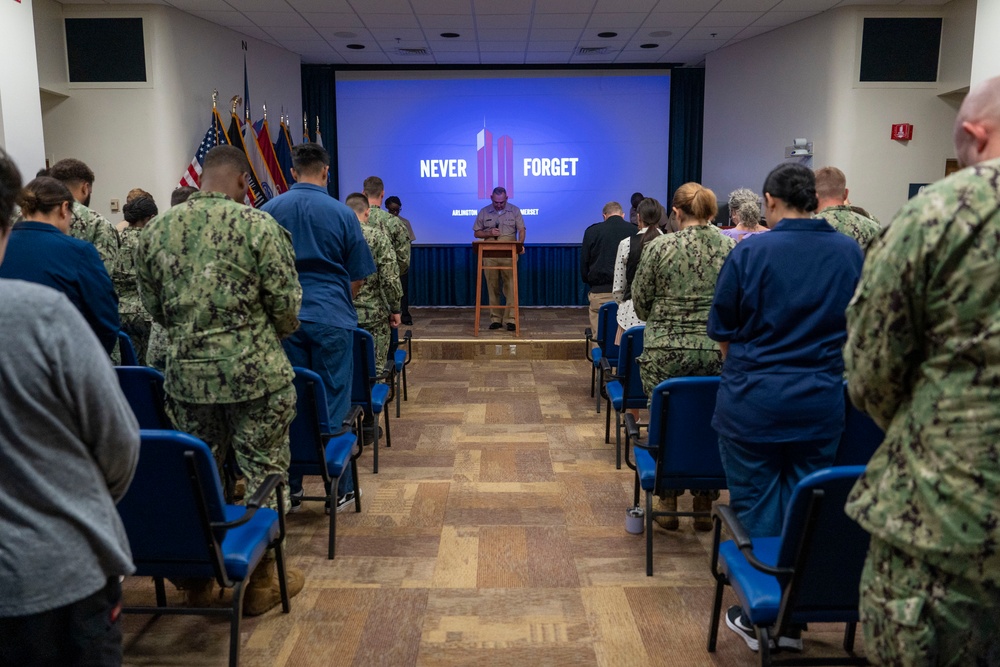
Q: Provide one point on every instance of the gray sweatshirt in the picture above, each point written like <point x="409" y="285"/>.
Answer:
<point x="69" y="444"/>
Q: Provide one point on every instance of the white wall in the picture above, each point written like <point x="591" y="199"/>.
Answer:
<point x="145" y="137"/>
<point x="800" y="81"/>
<point x="986" y="50"/>
<point x="20" y="112"/>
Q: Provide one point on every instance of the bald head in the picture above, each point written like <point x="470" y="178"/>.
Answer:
<point x="977" y="127"/>
<point x="225" y="170"/>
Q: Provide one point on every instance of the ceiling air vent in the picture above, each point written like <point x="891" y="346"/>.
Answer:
<point x="413" y="52"/>
<point x="591" y="50"/>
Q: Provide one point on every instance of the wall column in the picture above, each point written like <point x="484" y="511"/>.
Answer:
<point x="20" y="102"/>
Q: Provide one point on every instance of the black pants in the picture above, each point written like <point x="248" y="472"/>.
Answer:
<point x="84" y="633"/>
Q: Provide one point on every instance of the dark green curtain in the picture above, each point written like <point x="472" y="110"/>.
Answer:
<point x="445" y="275"/>
<point x="687" y="126"/>
<point x="319" y="98"/>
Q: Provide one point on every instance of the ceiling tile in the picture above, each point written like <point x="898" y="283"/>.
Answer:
<point x="505" y="8"/>
<point x="615" y="6"/>
<point x="555" y="34"/>
<point x="550" y="47"/>
<point x="260" y="5"/>
<point x="729" y="19"/>
<point x="456" y="56"/>
<point x="546" y="58"/>
<point x="687" y="5"/>
<point x="453" y="45"/>
<point x="500" y="58"/>
<point x="294" y="34"/>
<point x="640" y="56"/>
<point x="389" y="34"/>
<point x="672" y="20"/>
<point x="327" y="20"/>
<point x="438" y="23"/>
<point x="601" y="22"/>
<point x="488" y="22"/>
<point x="385" y="21"/>
<point x="459" y="7"/>
<point x="563" y="6"/>
<point x="230" y="19"/>
<point x="323" y="6"/>
<point x="717" y="34"/>
<point x="778" y="19"/>
<point x="545" y="21"/>
<point x="805" y="5"/>
<point x="745" y="5"/>
<point x="282" y="19"/>
<point x="201" y="5"/>
<point x="364" y="7"/>
<point x="496" y="47"/>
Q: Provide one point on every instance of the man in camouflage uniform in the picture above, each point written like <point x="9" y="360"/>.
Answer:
<point x="220" y="277"/>
<point x="377" y="302"/>
<point x="923" y="359"/>
<point x="672" y="293"/>
<point x="389" y="224"/>
<point x="831" y="190"/>
<point x="87" y="224"/>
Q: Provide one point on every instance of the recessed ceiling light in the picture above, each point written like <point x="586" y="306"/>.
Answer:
<point x="344" y="34"/>
<point x="607" y="35"/>
<point x="660" y="33"/>
<point x="648" y="46"/>
<point x="450" y="35"/>
<point x="356" y="47"/>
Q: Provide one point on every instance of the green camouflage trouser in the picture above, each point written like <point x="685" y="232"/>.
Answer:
<point x="156" y="350"/>
<point x="380" y="331"/>
<point x="257" y="431"/>
<point x="913" y="614"/>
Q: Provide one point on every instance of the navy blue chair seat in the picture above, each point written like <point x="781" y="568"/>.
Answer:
<point x="368" y="389"/>
<point x="400" y="355"/>
<point x="681" y="450"/>
<point x="317" y="450"/>
<point x="809" y="574"/>
<point x="607" y="326"/>
<point x="861" y="437"/>
<point x="178" y="525"/>
<point x="624" y="389"/>
<point x="143" y="388"/>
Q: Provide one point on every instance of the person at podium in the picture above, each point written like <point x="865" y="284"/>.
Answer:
<point x="500" y="221"/>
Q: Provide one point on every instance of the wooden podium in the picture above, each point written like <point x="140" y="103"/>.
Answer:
<point x="497" y="250"/>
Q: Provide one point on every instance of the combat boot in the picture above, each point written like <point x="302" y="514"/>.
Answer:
<point x="702" y="504"/>
<point x="668" y="504"/>
<point x="263" y="592"/>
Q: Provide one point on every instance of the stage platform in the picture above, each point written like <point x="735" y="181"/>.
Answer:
<point x="547" y="332"/>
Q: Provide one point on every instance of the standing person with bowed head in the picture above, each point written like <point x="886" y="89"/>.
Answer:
<point x="630" y="250"/>
<point x="69" y="444"/>
<point x="778" y="315"/>
<point x="672" y="292"/>
<point x="500" y="221"/>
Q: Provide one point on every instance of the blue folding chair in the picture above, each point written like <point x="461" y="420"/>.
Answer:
<point x="179" y="526"/>
<point x="810" y="573"/>
<point x="316" y="450"/>
<point x="623" y="387"/>
<point x="127" y="350"/>
<point x="400" y="358"/>
<point x="369" y="390"/>
<point x="143" y="388"/>
<point x="681" y="450"/>
<point x="607" y="325"/>
<point x="861" y="437"/>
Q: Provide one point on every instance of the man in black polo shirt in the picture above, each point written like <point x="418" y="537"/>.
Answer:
<point x="597" y="256"/>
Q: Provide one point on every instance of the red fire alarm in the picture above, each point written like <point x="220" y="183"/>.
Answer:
<point x="902" y="132"/>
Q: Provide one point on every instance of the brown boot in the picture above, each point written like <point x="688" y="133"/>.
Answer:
<point x="198" y="592"/>
<point x="668" y="504"/>
<point x="263" y="593"/>
<point x="702" y="504"/>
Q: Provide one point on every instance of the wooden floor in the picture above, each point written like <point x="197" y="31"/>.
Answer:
<point x="492" y="535"/>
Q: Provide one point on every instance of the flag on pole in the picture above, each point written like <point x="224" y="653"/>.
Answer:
<point x="267" y="152"/>
<point x="283" y="151"/>
<point x="255" y="195"/>
<point x="214" y="136"/>
<point x="319" y="136"/>
<point x="305" y="129"/>
<point x="260" y="170"/>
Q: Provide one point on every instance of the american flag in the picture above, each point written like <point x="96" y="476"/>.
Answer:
<point x="214" y="136"/>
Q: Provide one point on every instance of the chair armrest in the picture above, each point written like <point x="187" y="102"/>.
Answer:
<point x="588" y="336"/>
<point x="726" y="515"/>
<point x="606" y="369"/>
<point x="632" y="427"/>
<point x="270" y="483"/>
<point x="347" y="425"/>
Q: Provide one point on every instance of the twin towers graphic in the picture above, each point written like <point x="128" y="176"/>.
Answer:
<point x="504" y="162"/>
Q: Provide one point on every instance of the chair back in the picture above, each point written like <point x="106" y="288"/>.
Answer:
<point x="607" y="326"/>
<point x="310" y="423"/>
<point x="861" y="437"/>
<point x="364" y="370"/>
<point x="127" y="350"/>
<point x="393" y="346"/>
<point x="628" y="368"/>
<point x="680" y="425"/>
<point x="826" y="548"/>
<point x="143" y="388"/>
<point x="173" y="497"/>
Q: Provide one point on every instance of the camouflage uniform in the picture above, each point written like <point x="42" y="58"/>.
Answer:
<point x="396" y="231"/>
<point x="136" y="321"/>
<point x="220" y="277"/>
<point x="672" y="291"/>
<point x="855" y="225"/>
<point x="923" y="359"/>
<point x="380" y="294"/>
<point x="156" y="349"/>
<point x="91" y="226"/>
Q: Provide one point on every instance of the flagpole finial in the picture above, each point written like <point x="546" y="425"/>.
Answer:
<point x="215" y="99"/>
<point x="265" y="112"/>
<point x="236" y="101"/>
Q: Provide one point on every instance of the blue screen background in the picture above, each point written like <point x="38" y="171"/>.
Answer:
<point x="617" y="125"/>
